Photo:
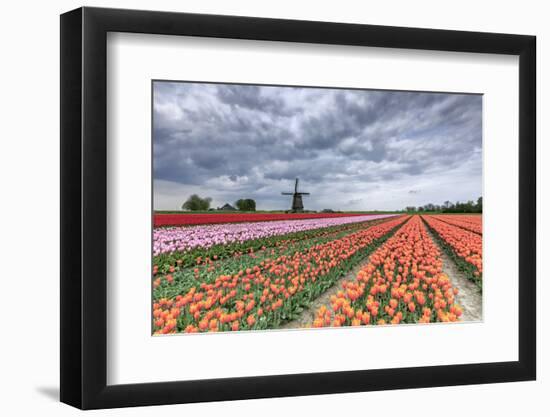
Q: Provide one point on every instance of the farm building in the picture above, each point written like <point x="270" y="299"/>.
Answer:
<point x="227" y="207"/>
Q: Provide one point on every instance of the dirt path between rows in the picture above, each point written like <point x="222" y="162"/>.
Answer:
<point x="469" y="296"/>
<point x="308" y="315"/>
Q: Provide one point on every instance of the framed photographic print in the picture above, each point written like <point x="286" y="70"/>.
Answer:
<point x="258" y="207"/>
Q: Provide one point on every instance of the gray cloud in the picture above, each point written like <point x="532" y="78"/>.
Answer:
<point x="352" y="149"/>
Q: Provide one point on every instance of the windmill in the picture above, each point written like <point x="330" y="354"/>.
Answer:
<point x="297" y="204"/>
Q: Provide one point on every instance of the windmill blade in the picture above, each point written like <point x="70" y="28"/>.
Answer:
<point x="287" y="193"/>
<point x="303" y="193"/>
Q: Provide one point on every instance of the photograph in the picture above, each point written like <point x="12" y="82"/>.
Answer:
<point x="300" y="207"/>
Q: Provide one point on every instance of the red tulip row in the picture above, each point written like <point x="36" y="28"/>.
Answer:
<point x="464" y="246"/>
<point x="265" y="295"/>
<point x="402" y="283"/>
<point x="183" y="219"/>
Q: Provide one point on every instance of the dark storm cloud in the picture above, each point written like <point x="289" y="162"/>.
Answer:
<point x="251" y="141"/>
<point x="251" y="98"/>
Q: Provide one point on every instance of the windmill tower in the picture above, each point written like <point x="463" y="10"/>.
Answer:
<point x="297" y="203"/>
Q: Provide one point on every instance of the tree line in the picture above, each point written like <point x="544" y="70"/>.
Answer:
<point x="197" y="203"/>
<point x="449" y="207"/>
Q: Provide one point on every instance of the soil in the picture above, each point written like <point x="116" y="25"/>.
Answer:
<point x="469" y="295"/>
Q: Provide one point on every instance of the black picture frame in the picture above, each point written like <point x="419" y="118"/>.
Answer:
<point x="84" y="207"/>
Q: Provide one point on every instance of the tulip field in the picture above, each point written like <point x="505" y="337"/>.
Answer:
<point x="252" y="272"/>
<point x="403" y="282"/>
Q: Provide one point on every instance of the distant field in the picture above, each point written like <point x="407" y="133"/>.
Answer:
<point x="214" y="211"/>
<point x="186" y="218"/>
<point x="269" y="211"/>
<point x="183" y="218"/>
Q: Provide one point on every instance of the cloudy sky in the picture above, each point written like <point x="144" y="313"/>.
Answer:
<point x="351" y="149"/>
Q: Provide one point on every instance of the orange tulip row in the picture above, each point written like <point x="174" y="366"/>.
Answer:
<point x="465" y="244"/>
<point x="266" y="294"/>
<point x="402" y="283"/>
<point x="473" y="223"/>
